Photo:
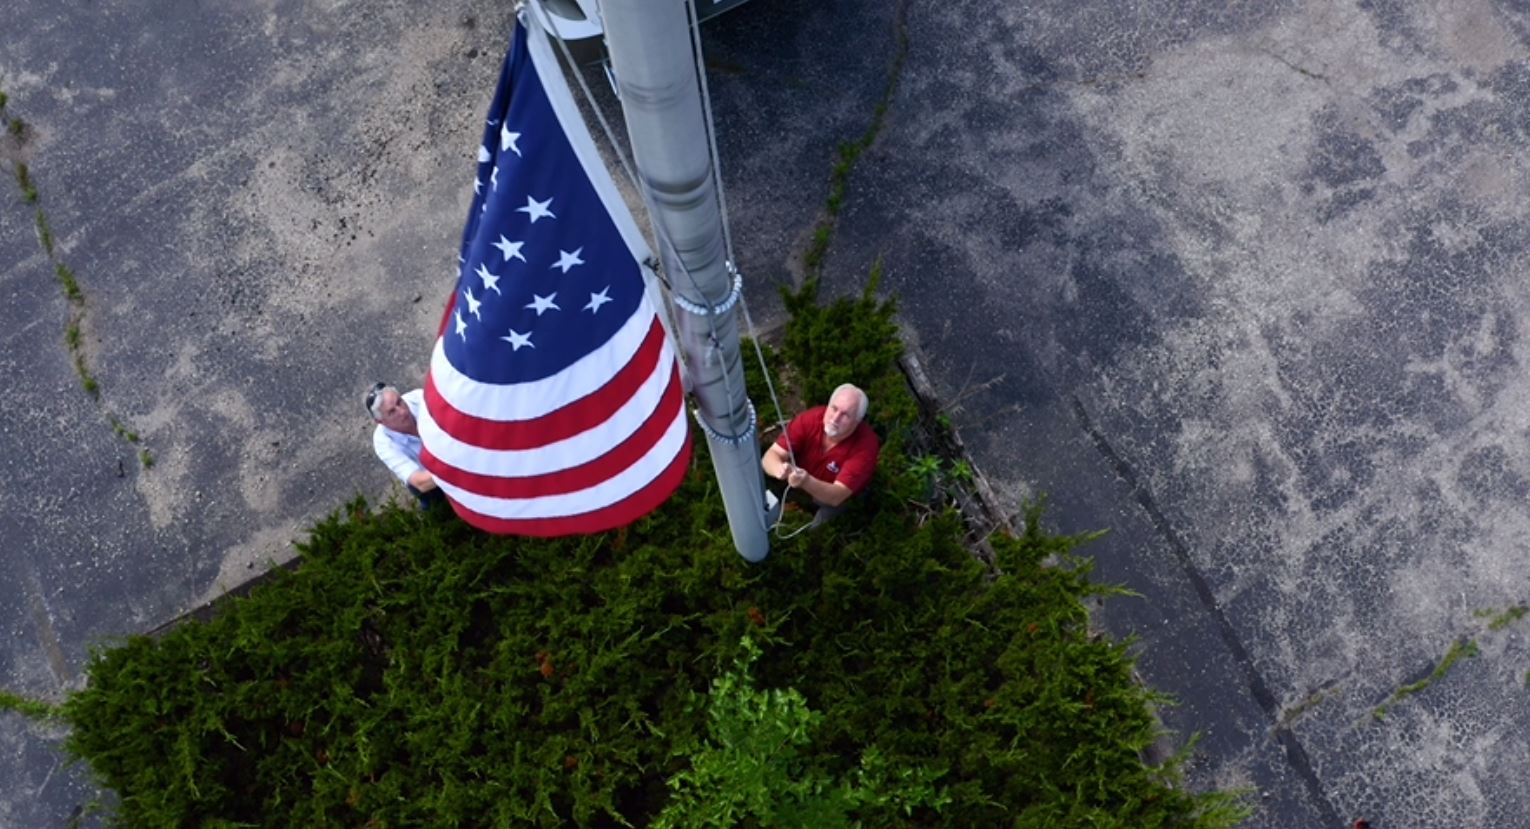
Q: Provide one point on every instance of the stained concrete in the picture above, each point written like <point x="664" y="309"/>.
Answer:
<point x="1247" y="280"/>
<point x="1237" y="281"/>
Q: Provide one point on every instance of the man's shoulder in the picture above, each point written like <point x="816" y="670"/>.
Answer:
<point x="866" y="439"/>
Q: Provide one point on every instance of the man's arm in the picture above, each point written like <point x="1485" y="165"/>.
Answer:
<point x="775" y="462"/>
<point x="402" y="466"/>
<point x="824" y="492"/>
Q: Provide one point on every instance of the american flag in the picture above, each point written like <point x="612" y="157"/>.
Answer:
<point x="553" y="405"/>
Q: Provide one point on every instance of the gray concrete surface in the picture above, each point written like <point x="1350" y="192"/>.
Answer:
<point x="1238" y="281"/>
<point x="252" y="197"/>
<point x="1252" y="275"/>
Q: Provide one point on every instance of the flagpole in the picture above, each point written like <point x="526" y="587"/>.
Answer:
<point x="650" y="46"/>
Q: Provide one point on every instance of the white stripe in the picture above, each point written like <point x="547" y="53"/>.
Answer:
<point x="604" y="494"/>
<point x="553" y="457"/>
<point x="524" y="401"/>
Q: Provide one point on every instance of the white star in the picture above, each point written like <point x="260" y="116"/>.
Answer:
<point x="483" y="154"/>
<point x="536" y="209"/>
<point x="477" y="186"/>
<point x="568" y="260"/>
<point x="542" y="303"/>
<point x="490" y="281"/>
<point x="517" y="339"/>
<point x="507" y="140"/>
<point x="473" y="303"/>
<point x="597" y="300"/>
<point x="494" y="178"/>
<point x="508" y="249"/>
<point x="461" y="324"/>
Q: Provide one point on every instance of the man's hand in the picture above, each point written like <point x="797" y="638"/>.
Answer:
<point x="795" y="476"/>
<point x="422" y="480"/>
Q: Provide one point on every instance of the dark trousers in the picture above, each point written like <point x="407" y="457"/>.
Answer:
<point x="427" y="498"/>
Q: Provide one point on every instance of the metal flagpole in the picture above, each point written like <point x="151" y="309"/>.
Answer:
<point x="650" y="46"/>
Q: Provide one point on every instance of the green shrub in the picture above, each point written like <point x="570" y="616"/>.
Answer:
<point x="414" y="671"/>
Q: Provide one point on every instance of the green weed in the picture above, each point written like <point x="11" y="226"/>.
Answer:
<point x="1499" y="621"/>
<point x="1457" y="650"/>
<point x="87" y="380"/>
<point x="24" y="181"/>
<point x="44" y="233"/>
<point x="71" y="286"/>
<point x="849" y="152"/>
<point x="31" y="708"/>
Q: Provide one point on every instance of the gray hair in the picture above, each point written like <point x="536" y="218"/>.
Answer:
<point x="373" y="398"/>
<point x="860" y="412"/>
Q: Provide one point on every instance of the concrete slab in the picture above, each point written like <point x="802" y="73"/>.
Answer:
<point x="1272" y="255"/>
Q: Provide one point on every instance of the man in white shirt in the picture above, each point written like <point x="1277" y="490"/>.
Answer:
<point x="397" y="439"/>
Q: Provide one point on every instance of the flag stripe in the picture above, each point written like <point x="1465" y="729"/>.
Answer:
<point x="615" y="487"/>
<point x="536" y="398"/>
<point x="576" y="478"/>
<point x="572" y="452"/>
<point x="619" y="514"/>
<point x="579" y="416"/>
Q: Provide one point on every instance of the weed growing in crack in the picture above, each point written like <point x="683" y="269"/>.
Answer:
<point x="850" y="152"/>
<point x="30" y="708"/>
<point x="71" y="286"/>
<point x="24" y="180"/>
<point x="1457" y="650"/>
<point x="44" y="232"/>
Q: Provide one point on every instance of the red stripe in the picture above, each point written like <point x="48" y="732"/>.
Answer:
<point x="573" y="479"/>
<point x="579" y="416"/>
<point x="619" y="514"/>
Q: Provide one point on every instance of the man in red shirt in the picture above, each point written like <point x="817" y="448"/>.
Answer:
<point x="832" y="452"/>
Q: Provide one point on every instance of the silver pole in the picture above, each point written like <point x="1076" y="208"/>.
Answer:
<point x="650" y="46"/>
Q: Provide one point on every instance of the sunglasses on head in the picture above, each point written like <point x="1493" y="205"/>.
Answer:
<point x="372" y="395"/>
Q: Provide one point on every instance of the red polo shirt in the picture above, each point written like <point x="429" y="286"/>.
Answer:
<point x="851" y="462"/>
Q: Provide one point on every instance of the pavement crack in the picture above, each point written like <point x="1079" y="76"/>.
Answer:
<point x="1297" y="68"/>
<point x="47" y="635"/>
<point x="13" y="146"/>
<point x="1295" y="754"/>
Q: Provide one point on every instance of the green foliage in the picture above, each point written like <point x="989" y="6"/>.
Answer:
<point x="145" y="459"/>
<point x="1499" y="621"/>
<point x="70" y="285"/>
<point x="414" y="671"/>
<point x="24" y="181"/>
<point x="753" y="768"/>
<point x="35" y="709"/>
<point x="3" y="99"/>
<point x="1458" y="649"/>
<point x="87" y="380"/>
<point x="17" y="127"/>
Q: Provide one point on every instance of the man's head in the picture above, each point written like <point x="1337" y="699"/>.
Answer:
<point x="847" y="406"/>
<point x="388" y="408"/>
